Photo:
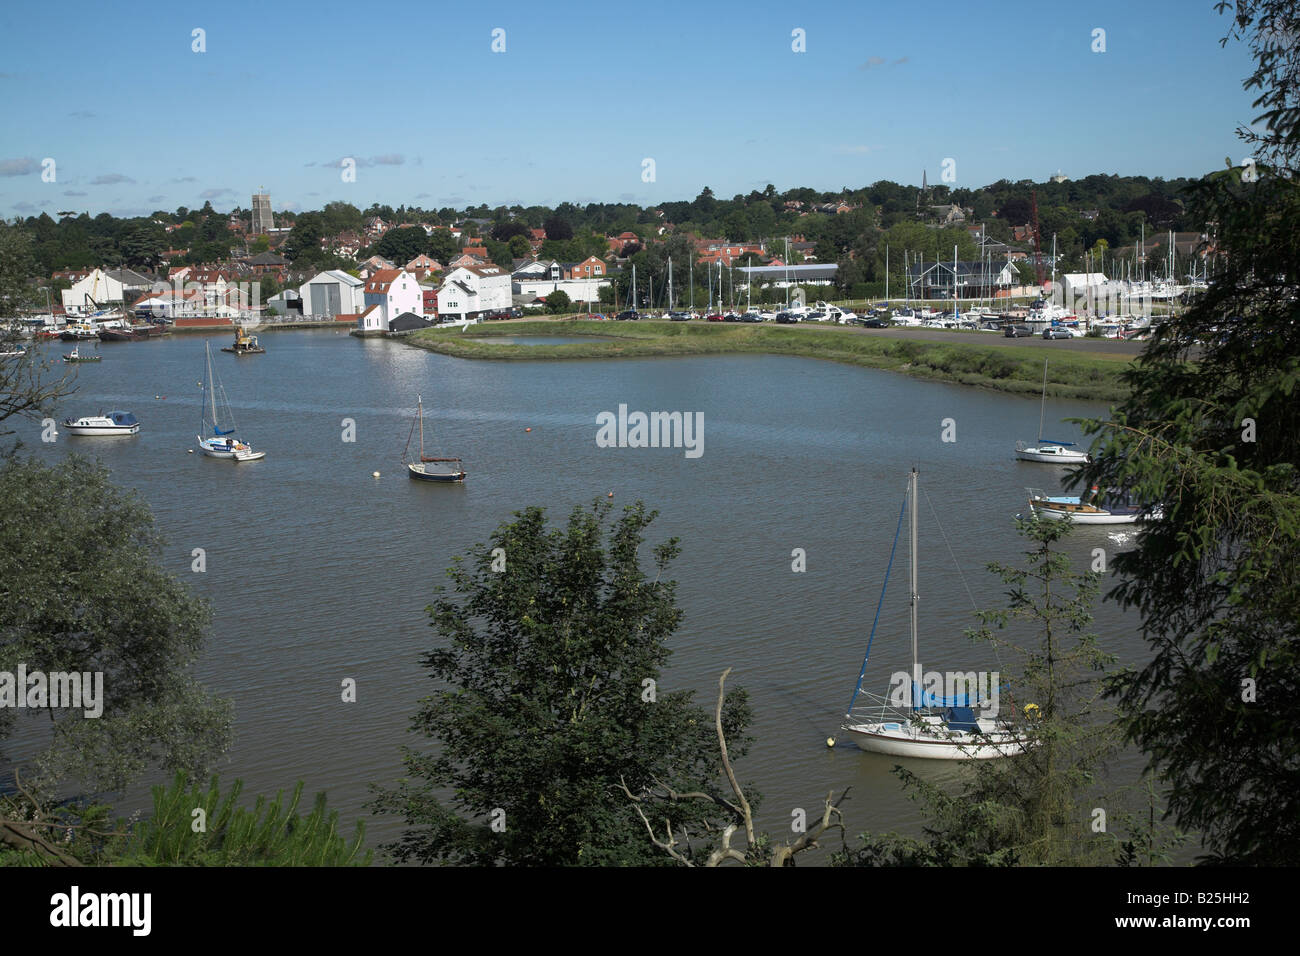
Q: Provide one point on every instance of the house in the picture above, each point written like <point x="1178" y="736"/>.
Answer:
<point x="476" y="250"/>
<point x="538" y="269"/>
<point x="474" y="290"/>
<point x="948" y="213"/>
<point x="588" y="268"/>
<point x="937" y="280"/>
<point x="333" y="293"/>
<point x="375" y="264"/>
<point x="346" y="244"/>
<point x="617" y="244"/>
<point x="408" y="322"/>
<point x="465" y="259"/>
<point x="265" y="262"/>
<point x="388" y="293"/>
<point x="423" y="266"/>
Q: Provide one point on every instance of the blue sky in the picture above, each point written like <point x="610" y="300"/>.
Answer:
<point x="135" y="120"/>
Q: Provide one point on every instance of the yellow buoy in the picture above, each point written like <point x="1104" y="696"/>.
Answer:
<point x="830" y="741"/>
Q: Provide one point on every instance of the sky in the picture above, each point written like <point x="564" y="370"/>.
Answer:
<point x="113" y="107"/>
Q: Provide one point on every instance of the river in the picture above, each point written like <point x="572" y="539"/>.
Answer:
<point x="318" y="571"/>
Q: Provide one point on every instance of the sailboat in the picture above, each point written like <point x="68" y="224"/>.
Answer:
<point x="932" y="726"/>
<point x="222" y="443"/>
<point x="1056" y="452"/>
<point x="430" y="469"/>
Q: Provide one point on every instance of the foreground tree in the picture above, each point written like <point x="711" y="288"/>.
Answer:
<point x="82" y="592"/>
<point x="1211" y="432"/>
<point x="29" y="387"/>
<point x="711" y="845"/>
<point x="1036" y="808"/>
<point x="550" y="646"/>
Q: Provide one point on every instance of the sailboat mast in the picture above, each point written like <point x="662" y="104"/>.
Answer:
<point x="212" y="391"/>
<point x="420" y="408"/>
<point x="1042" y="407"/>
<point x="916" y="665"/>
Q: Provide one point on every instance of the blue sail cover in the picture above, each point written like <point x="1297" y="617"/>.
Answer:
<point x="219" y="431"/>
<point x="921" y="698"/>
<point x="1052" y="441"/>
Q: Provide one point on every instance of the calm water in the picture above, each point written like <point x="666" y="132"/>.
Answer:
<point x="318" y="572"/>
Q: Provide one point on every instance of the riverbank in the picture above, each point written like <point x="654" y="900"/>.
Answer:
<point x="1086" y="369"/>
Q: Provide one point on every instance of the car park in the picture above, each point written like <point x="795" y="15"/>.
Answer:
<point x="627" y="315"/>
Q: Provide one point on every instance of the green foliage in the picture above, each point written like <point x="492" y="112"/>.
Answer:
<point x="272" y="833"/>
<point x="1217" y="580"/>
<point x="558" y="301"/>
<point x="542" y="711"/>
<point x="83" y="592"/>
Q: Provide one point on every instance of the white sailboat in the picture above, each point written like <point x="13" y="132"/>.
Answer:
<point x="1055" y="452"/>
<point x="223" y="442"/>
<point x="931" y="727"/>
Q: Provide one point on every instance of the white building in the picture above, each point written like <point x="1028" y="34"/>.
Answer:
<point x="1078" y="285"/>
<point x="102" y="288"/>
<point x="387" y="294"/>
<point x="332" y="293"/>
<point x="578" y="290"/>
<point x="474" y="290"/>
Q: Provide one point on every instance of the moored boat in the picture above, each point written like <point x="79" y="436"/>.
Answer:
<point x="924" y="724"/>
<point x="427" y="468"/>
<point x="1110" y="508"/>
<point x="245" y="344"/>
<point x="75" y="356"/>
<point x="222" y="443"/>
<point x="114" y="423"/>
<point x="1047" y="450"/>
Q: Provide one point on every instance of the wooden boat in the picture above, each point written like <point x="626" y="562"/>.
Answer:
<point x="245" y="344"/>
<point x="430" y="469"/>
<point x="114" y="423"/>
<point x="75" y="356"/>
<point x="932" y="727"/>
<point x="222" y="443"/>
<point x="1047" y="450"/>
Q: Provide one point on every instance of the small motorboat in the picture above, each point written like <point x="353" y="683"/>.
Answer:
<point x="1055" y="452"/>
<point x="75" y="356"/>
<point x="114" y="423"/>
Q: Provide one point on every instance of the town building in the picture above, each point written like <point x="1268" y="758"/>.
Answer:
<point x="333" y="292"/>
<point x="474" y="290"/>
<point x="388" y="294"/>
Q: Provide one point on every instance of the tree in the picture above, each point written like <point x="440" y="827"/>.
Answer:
<point x="83" y="594"/>
<point x="548" y="704"/>
<point x="519" y="247"/>
<point x="1210" y="432"/>
<point x="716" y="847"/>
<point x="27" y="389"/>
<point x="558" y="227"/>
<point x="558" y="301"/>
<point x="1035" y="807"/>
<point x="272" y="833"/>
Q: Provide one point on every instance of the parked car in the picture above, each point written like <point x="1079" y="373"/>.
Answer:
<point x="627" y="315"/>
<point x="714" y="317"/>
<point x="751" y="317"/>
<point x="787" y="318"/>
<point x="876" y="323"/>
<point x="597" y="317"/>
<point x="1057" y="332"/>
<point x="679" y="316"/>
<point x="1017" y="331"/>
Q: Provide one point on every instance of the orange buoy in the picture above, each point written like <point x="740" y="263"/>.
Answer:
<point x="610" y="495"/>
<point x="527" y="429"/>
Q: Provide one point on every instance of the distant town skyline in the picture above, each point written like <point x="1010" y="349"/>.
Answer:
<point x="607" y="105"/>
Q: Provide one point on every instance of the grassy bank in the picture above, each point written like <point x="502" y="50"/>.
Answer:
<point x="1004" y="368"/>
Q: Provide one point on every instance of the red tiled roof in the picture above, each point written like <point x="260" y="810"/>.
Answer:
<point x="381" y="280"/>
